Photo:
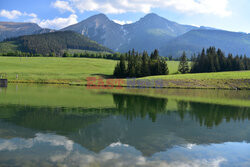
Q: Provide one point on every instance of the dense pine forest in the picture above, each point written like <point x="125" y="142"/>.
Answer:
<point x="134" y="64"/>
<point x="55" y="42"/>
<point x="213" y="60"/>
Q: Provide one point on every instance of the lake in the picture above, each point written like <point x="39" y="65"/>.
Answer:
<point x="48" y="125"/>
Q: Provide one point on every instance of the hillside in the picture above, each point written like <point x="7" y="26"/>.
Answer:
<point x="148" y="33"/>
<point x="12" y="29"/>
<point x="100" y="29"/>
<point x="193" y="42"/>
<point x="47" y="43"/>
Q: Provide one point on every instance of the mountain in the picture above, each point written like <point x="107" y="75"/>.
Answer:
<point x="146" y="34"/>
<point x="12" y="29"/>
<point x="194" y="40"/>
<point x="51" y="42"/>
<point x="43" y="31"/>
<point x="149" y="33"/>
<point x="100" y="29"/>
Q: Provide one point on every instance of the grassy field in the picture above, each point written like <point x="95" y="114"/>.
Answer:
<point x="54" y="70"/>
<point x="75" y="71"/>
<point x="59" y="70"/>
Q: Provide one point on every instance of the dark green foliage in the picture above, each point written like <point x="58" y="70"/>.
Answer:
<point x="163" y="67"/>
<point x="137" y="65"/>
<point x="183" y="66"/>
<point x="120" y="69"/>
<point x="56" y="42"/>
<point x="215" y="61"/>
<point x="145" y="70"/>
<point x="85" y="54"/>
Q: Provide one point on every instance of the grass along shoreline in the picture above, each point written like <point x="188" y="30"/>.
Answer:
<point x="74" y="71"/>
<point x="231" y="84"/>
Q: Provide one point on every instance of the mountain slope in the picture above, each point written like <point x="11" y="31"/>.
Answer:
<point x="100" y="29"/>
<point x="193" y="42"/>
<point x="146" y="34"/>
<point x="151" y="31"/>
<point x="52" y="42"/>
<point x="11" y="29"/>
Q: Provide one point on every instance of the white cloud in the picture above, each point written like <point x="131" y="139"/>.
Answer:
<point x="15" y="14"/>
<point x="215" y="7"/>
<point x="63" y="6"/>
<point x="122" y="22"/>
<point x="56" y="23"/>
<point x="10" y="14"/>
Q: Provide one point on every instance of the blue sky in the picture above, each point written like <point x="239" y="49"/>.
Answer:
<point x="230" y="15"/>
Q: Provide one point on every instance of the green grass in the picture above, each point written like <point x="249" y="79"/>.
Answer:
<point x="75" y="71"/>
<point x="201" y="76"/>
<point x="72" y="51"/>
<point x="58" y="70"/>
<point x="218" y="80"/>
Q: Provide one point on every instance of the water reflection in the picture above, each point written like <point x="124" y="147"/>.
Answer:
<point x="138" y="131"/>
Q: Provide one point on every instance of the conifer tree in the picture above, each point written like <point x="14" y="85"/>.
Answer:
<point x="164" y="67"/>
<point x="183" y="66"/>
<point x="145" y="64"/>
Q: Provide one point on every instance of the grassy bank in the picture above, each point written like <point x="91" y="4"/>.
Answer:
<point x="59" y="70"/>
<point x="218" y="80"/>
<point x="74" y="71"/>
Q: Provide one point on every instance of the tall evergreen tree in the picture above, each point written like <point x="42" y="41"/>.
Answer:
<point x="183" y="66"/>
<point x="145" y="71"/>
<point x="122" y="66"/>
<point x="164" y="67"/>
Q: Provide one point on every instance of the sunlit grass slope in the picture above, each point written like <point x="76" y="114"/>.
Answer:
<point x="59" y="70"/>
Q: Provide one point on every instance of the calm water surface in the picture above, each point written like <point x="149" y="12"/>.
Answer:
<point x="71" y="126"/>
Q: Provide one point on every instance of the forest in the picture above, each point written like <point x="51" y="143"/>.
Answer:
<point x="134" y="64"/>
<point x="213" y="60"/>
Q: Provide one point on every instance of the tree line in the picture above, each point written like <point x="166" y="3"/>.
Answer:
<point x="135" y="64"/>
<point x="84" y="54"/>
<point x="213" y="60"/>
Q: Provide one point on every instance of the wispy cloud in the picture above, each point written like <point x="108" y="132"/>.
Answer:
<point x="14" y="14"/>
<point x="215" y="7"/>
<point x="56" y="23"/>
<point x="63" y="6"/>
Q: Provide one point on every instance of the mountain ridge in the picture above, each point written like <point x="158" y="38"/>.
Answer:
<point x="136" y="35"/>
<point x="154" y="32"/>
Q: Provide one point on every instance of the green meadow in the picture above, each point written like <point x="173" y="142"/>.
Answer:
<point x="54" y="70"/>
<point x="59" y="70"/>
<point x="76" y="70"/>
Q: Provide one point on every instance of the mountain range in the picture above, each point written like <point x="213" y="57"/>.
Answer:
<point x="12" y="29"/>
<point x="150" y="32"/>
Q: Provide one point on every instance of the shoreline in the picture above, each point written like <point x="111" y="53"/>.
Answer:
<point x="220" y="84"/>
